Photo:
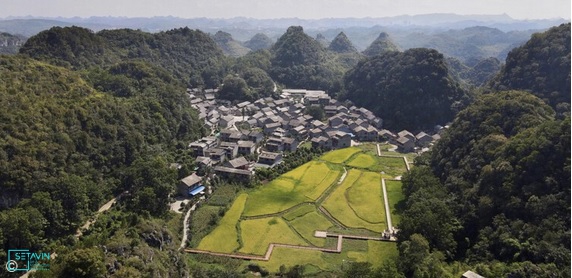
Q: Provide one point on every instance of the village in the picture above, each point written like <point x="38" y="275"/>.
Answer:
<point x="250" y="135"/>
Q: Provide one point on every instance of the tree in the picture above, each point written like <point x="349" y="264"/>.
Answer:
<point x="317" y="112"/>
<point x="22" y="228"/>
<point x="82" y="263"/>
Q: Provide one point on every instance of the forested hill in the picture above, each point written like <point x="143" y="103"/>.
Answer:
<point x="494" y="193"/>
<point x="380" y="45"/>
<point x="68" y="142"/>
<point x="409" y="90"/>
<point x="9" y="44"/>
<point x="541" y="66"/>
<point x="189" y="55"/>
<point x="300" y="61"/>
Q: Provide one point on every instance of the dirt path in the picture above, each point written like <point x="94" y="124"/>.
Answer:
<point x="85" y="226"/>
<point x="186" y="227"/>
<point x="103" y="208"/>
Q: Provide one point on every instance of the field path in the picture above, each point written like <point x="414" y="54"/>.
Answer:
<point x="387" y="211"/>
<point x="271" y="247"/>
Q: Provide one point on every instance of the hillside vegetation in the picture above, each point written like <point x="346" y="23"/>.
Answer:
<point x="409" y="90"/>
<point x="497" y="188"/>
<point x="188" y="55"/>
<point x="541" y="66"/>
<point x="67" y="144"/>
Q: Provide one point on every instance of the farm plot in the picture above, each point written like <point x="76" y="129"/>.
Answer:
<point x="395" y="195"/>
<point x="289" y="210"/>
<point x="362" y="160"/>
<point x="394" y="166"/>
<point x="341" y="155"/>
<point x="224" y="238"/>
<point x="339" y="207"/>
<point x="303" y="184"/>
<point x="257" y="234"/>
<point x="310" y="222"/>
<point x="365" y="198"/>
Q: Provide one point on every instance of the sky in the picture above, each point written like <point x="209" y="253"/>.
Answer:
<point x="265" y="9"/>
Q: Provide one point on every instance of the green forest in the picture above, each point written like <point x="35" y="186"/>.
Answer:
<point x="88" y="116"/>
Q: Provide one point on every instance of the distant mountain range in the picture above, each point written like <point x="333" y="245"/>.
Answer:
<point x="29" y="26"/>
<point x="469" y="38"/>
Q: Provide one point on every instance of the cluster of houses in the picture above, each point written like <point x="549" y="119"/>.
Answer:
<point x="262" y="130"/>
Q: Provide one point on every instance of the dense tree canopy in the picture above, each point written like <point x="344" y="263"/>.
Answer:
<point x="67" y="144"/>
<point x="299" y="61"/>
<point x="497" y="187"/>
<point x="189" y="55"/>
<point x="408" y="90"/>
<point x="380" y="45"/>
<point x="541" y="66"/>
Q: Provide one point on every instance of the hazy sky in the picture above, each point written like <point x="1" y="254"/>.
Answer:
<point x="519" y="9"/>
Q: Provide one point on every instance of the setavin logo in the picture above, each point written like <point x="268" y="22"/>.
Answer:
<point x="24" y="260"/>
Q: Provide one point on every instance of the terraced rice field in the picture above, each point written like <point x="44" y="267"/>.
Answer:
<point x="395" y="195"/>
<point x="341" y="155"/>
<point x="257" y="234"/>
<point x="226" y="229"/>
<point x="288" y="210"/>
<point x="338" y="205"/>
<point x="303" y="184"/>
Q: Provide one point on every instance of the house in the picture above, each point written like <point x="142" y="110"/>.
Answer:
<point x="243" y="104"/>
<point x="385" y="135"/>
<point x="371" y="133"/>
<point x="237" y="163"/>
<point x="331" y="110"/>
<point x="405" y="144"/>
<point x="225" y="135"/>
<point x="269" y="158"/>
<point x="190" y="186"/>
<point x="274" y="144"/>
<point x="405" y="133"/>
<point x="226" y="121"/>
<point x="317" y="124"/>
<point x="198" y="148"/>
<point x="217" y="155"/>
<point x="341" y="139"/>
<point x="423" y="139"/>
<point x="235" y="136"/>
<point x="377" y="122"/>
<point x="321" y="142"/>
<point x="203" y="161"/>
<point x="470" y="274"/>
<point x="360" y="132"/>
<point x="230" y="149"/>
<point x="233" y="174"/>
<point x="246" y="147"/>
<point x="255" y="137"/>
<point x="270" y="128"/>
<point x="299" y="131"/>
<point x="336" y="121"/>
<point x="289" y="144"/>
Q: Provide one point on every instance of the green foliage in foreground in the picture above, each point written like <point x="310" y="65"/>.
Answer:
<point x="497" y="190"/>
<point x="69" y="142"/>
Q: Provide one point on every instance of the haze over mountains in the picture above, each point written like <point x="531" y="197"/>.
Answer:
<point x="469" y="38"/>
